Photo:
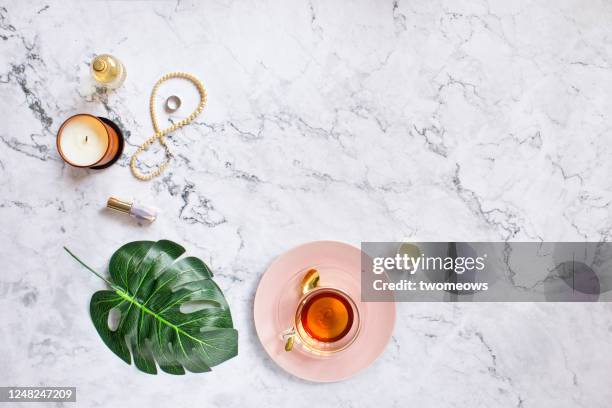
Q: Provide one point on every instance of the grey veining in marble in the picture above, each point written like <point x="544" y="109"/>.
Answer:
<point x="368" y="120"/>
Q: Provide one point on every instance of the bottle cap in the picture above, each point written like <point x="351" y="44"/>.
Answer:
<point x="99" y="64"/>
<point x="118" y="205"/>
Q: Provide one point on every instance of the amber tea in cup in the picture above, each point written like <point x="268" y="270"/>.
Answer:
<point x="327" y="316"/>
<point x="326" y="321"/>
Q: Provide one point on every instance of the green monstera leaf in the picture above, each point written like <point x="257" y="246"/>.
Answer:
<point x="171" y="311"/>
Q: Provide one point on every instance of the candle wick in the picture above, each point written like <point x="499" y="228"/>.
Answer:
<point x="86" y="138"/>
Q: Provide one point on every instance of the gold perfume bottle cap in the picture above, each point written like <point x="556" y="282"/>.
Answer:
<point x="99" y="64"/>
<point x="118" y="205"/>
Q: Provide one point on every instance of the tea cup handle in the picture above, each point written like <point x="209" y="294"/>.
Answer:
<point x="289" y="338"/>
<point x="309" y="281"/>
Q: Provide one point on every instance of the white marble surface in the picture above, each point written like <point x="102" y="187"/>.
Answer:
<point x="369" y="120"/>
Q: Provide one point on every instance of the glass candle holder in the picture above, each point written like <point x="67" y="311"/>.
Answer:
<point x="88" y="141"/>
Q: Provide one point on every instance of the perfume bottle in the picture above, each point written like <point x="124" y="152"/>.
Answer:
<point x="108" y="71"/>
<point x="136" y="210"/>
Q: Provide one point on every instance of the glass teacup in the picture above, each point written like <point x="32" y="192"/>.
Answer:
<point x="326" y="319"/>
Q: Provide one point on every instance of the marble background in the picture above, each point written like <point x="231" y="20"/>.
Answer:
<point x="365" y="120"/>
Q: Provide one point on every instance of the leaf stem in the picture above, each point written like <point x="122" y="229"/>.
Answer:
<point x="90" y="269"/>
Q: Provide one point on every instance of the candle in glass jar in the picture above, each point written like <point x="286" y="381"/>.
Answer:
<point x="86" y="141"/>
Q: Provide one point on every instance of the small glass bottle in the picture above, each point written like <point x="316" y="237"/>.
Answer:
<point x="108" y="71"/>
<point x="133" y="209"/>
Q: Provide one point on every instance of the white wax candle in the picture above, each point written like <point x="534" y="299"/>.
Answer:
<point x="83" y="140"/>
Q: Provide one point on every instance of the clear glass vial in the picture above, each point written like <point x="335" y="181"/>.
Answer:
<point x="108" y="71"/>
<point x="136" y="210"/>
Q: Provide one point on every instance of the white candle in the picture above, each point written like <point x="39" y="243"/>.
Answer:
<point x="84" y="141"/>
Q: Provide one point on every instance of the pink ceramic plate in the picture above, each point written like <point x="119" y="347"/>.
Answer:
<point x="339" y="265"/>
